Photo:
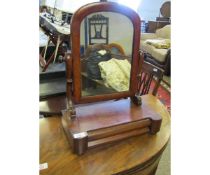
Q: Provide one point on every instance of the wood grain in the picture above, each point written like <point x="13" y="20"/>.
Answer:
<point x="136" y="155"/>
<point x="105" y="122"/>
<point x="77" y="18"/>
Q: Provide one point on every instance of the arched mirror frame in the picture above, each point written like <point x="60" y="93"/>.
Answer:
<point x="77" y="18"/>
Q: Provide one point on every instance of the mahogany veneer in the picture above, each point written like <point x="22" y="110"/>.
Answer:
<point x="105" y="122"/>
<point x="136" y="155"/>
<point x="91" y="120"/>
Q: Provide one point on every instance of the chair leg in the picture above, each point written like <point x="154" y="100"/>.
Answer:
<point x="156" y="87"/>
<point x="56" y="49"/>
<point x="42" y="61"/>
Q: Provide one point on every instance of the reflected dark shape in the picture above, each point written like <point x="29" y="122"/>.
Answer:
<point x="93" y="58"/>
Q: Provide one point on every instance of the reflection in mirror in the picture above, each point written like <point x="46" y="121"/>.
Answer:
<point x="106" y="40"/>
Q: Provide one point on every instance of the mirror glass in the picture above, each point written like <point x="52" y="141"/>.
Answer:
<point x="106" y="41"/>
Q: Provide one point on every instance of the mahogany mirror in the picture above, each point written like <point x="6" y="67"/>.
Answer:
<point x="105" y="59"/>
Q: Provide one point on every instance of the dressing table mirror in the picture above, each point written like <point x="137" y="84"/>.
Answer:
<point x="96" y="29"/>
<point x="102" y="63"/>
<point x="103" y="105"/>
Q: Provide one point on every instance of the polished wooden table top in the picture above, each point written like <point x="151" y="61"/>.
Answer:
<point x="122" y="157"/>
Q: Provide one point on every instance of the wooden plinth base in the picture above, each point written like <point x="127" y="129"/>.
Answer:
<point x="106" y="122"/>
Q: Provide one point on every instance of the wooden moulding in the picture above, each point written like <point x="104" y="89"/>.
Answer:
<point x="76" y="21"/>
<point x="106" y="122"/>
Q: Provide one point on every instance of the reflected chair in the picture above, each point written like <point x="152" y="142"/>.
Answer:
<point x="116" y="49"/>
<point x="111" y="111"/>
<point x="149" y="74"/>
<point x="98" y="29"/>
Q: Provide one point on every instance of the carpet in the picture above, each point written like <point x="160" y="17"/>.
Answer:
<point x="167" y="80"/>
<point x="165" y="97"/>
<point x="164" y="167"/>
<point x="163" y="94"/>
